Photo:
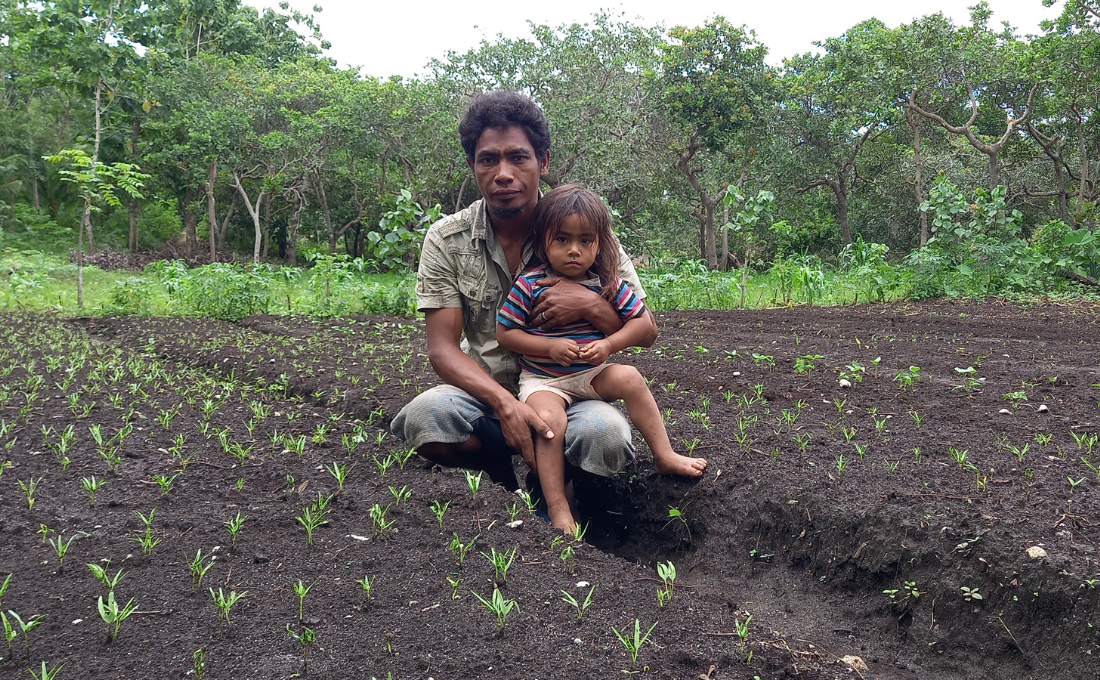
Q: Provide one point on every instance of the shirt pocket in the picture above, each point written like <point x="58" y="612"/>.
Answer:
<point x="479" y="304"/>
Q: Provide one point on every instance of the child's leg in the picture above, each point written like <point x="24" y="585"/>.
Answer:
<point x="550" y="458"/>
<point x="626" y="383"/>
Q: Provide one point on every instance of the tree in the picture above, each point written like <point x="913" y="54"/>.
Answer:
<point x="98" y="185"/>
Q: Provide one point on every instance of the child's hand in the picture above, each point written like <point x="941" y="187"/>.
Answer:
<point x="596" y="352"/>
<point x="563" y="351"/>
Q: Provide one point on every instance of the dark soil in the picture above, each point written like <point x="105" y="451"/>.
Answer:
<point x="774" y="529"/>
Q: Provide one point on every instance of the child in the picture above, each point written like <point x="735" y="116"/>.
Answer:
<point x="573" y="240"/>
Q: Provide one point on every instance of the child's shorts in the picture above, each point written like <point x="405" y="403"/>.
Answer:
<point x="573" y="387"/>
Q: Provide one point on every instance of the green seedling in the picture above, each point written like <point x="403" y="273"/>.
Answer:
<point x="853" y="372"/>
<point x="840" y="464"/>
<point x="147" y="542"/>
<point x="763" y="360"/>
<point x="633" y="644"/>
<point x="439" y="509"/>
<point x="970" y="593"/>
<point x="677" y="515"/>
<point x="805" y="363"/>
<point x="225" y="603"/>
<point x="383" y="465"/>
<point x="849" y="433"/>
<point x="24" y="627"/>
<point x="861" y="449"/>
<point x="367" y="582"/>
<point x="460" y="550"/>
<point x="667" y="573"/>
<point x="103" y="577"/>
<point x="473" y="482"/>
<point x="165" y="483"/>
<point x="113" y="615"/>
<point x="306" y="638"/>
<point x="91" y="485"/>
<point x="45" y="672"/>
<point x="500" y="606"/>
<point x="840" y="404"/>
<point x="501" y="562"/>
<point x="880" y="425"/>
<point x="906" y="377"/>
<point x="742" y="627"/>
<point x="911" y="590"/>
<point x="958" y="455"/>
<point x="1018" y="397"/>
<point x="578" y="531"/>
<point x="917" y="418"/>
<point x="454" y="583"/>
<point x="10" y="633"/>
<point x="198" y="663"/>
<point x="199" y="565"/>
<point x="60" y="548"/>
<point x="379" y="524"/>
<point x="339" y="473"/>
<point x="566" y="556"/>
<point x="4" y="587"/>
<point x="301" y="590"/>
<point x="29" y="488"/>
<point x="234" y="524"/>
<point x="402" y="456"/>
<point x="803" y="441"/>
<point x="568" y="598"/>
<point x="401" y="495"/>
<point x="1074" y="483"/>
<point x="1042" y="439"/>
<point x="1018" y="452"/>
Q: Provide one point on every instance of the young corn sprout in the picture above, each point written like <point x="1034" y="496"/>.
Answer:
<point x="383" y="465"/>
<point x="501" y="562"/>
<point x="306" y="638"/>
<point x="667" y="572"/>
<point x="199" y="565"/>
<point x="402" y="456"/>
<point x="25" y="627"/>
<point x="113" y="615"/>
<point x="234" y="525"/>
<point x="29" y="488"/>
<point x="473" y="482"/>
<point x="568" y="598"/>
<point x="61" y="547"/>
<point x="101" y="575"/>
<point x="91" y="485"/>
<point x="4" y="587"/>
<point x="743" y="634"/>
<point x="46" y="673"/>
<point x="379" y="524"/>
<point x="165" y="483"/>
<point x="500" y="606"/>
<point x="313" y="516"/>
<point x="301" y="590"/>
<point x="459" y="550"/>
<point x="367" y="583"/>
<point x="529" y="501"/>
<point x="339" y="473"/>
<point x="225" y="603"/>
<point x="401" y="495"/>
<point x="633" y="644"/>
<point x="439" y="509"/>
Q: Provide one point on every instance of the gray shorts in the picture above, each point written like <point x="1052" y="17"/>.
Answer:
<point x="597" y="438"/>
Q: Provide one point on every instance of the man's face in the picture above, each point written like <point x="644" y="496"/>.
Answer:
<point x="507" y="171"/>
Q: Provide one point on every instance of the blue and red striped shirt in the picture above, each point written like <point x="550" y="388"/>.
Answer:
<point x="523" y="298"/>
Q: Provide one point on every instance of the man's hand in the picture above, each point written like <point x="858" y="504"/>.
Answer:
<point x="563" y="303"/>
<point x="596" y="352"/>
<point x="564" y="350"/>
<point x="516" y="422"/>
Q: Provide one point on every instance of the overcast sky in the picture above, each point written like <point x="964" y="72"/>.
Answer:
<point x="400" y="37"/>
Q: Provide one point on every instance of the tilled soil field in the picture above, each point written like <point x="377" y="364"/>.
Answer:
<point x="937" y="518"/>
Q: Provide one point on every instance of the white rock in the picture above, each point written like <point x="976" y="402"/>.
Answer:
<point x="583" y="584"/>
<point x="78" y="621"/>
<point x="356" y="537"/>
<point x="855" y="663"/>
<point x="577" y="641"/>
<point x="516" y="524"/>
<point x="736" y="373"/>
<point x="1043" y="408"/>
<point x="1036" y="553"/>
<point x="844" y="383"/>
<point x="1005" y="412"/>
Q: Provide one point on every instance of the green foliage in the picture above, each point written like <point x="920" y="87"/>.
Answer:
<point x="396" y="244"/>
<point x="227" y="291"/>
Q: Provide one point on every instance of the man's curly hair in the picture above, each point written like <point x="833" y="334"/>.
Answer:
<point x="502" y="109"/>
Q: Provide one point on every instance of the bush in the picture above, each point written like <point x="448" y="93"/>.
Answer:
<point x="227" y="291"/>
<point x="131" y="295"/>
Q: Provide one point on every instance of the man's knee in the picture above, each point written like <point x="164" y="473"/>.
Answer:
<point x="443" y="414"/>
<point x="598" y="438"/>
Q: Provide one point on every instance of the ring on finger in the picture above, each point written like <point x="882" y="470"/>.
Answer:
<point x="543" y="316"/>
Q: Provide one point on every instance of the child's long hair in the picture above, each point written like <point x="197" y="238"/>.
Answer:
<point x="573" y="199"/>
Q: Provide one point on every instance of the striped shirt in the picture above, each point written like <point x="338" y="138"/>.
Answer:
<point x="524" y="297"/>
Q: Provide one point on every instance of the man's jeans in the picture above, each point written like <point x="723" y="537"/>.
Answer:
<point x="597" y="438"/>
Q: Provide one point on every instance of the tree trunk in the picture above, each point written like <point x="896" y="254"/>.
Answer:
<point x="223" y="232"/>
<point x="1060" y="180"/>
<point x="918" y="169"/>
<point x="135" y="217"/>
<point x="292" y="230"/>
<point x="211" y="213"/>
<point x="34" y="191"/>
<point x="994" y="170"/>
<point x="254" y="212"/>
<point x="190" y="225"/>
<point x="267" y="225"/>
<point x="1082" y="190"/>
<point x="725" y="262"/>
<point x="708" y="227"/>
<point x="841" y="191"/>
<point x="95" y="153"/>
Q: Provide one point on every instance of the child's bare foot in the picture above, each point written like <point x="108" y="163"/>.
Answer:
<point x="562" y="518"/>
<point x="675" y="464"/>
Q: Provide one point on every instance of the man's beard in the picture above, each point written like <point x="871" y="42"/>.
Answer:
<point x="505" y="213"/>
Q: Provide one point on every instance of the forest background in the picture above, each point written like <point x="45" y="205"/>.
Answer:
<point x="924" y="160"/>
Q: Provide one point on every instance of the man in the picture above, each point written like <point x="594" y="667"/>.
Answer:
<point x="467" y="267"/>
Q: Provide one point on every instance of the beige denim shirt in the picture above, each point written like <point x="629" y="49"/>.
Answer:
<point x="463" y="265"/>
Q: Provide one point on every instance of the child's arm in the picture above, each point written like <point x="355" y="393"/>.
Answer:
<point x="562" y="350"/>
<point x="635" y="332"/>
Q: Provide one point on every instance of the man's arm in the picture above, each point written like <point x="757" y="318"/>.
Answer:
<point x="455" y="367"/>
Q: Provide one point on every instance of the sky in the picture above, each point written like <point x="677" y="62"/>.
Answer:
<point x="401" y="37"/>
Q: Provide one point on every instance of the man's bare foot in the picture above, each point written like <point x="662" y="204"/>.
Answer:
<point x="562" y="518"/>
<point x="675" y="464"/>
